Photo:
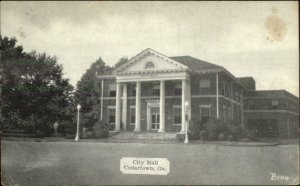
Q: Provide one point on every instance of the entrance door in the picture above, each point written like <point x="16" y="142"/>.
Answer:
<point x="155" y="118"/>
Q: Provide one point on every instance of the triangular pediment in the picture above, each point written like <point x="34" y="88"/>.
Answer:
<point x="149" y="60"/>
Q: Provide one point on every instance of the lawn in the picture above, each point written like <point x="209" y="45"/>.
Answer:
<point x="91" y="163"/>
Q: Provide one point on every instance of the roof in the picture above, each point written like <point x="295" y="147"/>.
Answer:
<point x="198" y="65"/>
<point x="194" y="63"/>
<point x="270" y="93"/>
<point x="247" y="82"/>
<point x="245" y="78"/>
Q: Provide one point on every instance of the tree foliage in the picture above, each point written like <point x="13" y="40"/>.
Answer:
<point x="121" y="62"/>
<point x="88" y="93"/>
<point x="34" y="93"/>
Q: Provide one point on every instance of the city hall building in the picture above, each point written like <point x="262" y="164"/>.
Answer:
<point x="153" y="92"/>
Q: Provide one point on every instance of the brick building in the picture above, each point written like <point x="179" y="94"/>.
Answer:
<point x="150" y="91"/>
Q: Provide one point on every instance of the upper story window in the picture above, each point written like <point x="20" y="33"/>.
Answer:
<point x="133" y="90"/>
<point x="178" y="89"/>
<point x="236" y="96"/>
<point x="112" y="90"/>
<point x="149" y="65"/>
<point x="156" y="90"/>
<point x="204" y="87"/>
<point x="224" y="89"/>
<point x="250" y="104"/>
<point x="275" y="104"/>
<point x="240" y="97"/>
<point x="286" y="105"/>
<point x="230" y="93"/>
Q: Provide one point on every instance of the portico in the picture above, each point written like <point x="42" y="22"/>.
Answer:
<point x="150" y="66"/>
<point x="121" y="104"/>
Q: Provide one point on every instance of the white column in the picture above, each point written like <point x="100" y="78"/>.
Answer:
<point x="148" y="117"/>
<point x="162" y="107"/>
<point x="217" y="92"/>
<point x="138" y="108"/>
<point x="118" y="107"/>
<point x="183" y="98"/>
<point x="124" y="108"/>
<point x="189" y="98"/>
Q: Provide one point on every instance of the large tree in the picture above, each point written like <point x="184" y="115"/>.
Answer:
<point x="88" y="93"/>
<point x="121" y="61"/>
<point x="34" y="92"/>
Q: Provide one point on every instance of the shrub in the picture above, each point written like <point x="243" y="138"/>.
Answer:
<point x="212" y="128"/>
<point x="221" y="136"/>
<point x="180" y="137"/>
<point x="38" y="126"/>
<point x="61" y="129"/>
<point x="194" y="128"/>
<point x="230" y="137"/>
<point x="237" y="132"/>
<point x="203" y="134"/>
<point x="250" y="135"/>
<point x="70" y="127"/>
<point x="100" y="130"/>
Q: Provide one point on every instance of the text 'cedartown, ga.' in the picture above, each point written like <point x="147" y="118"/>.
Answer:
<point x="152" y="166"/>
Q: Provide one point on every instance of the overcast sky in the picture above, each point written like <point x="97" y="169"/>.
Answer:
<point x="258" y="39"/>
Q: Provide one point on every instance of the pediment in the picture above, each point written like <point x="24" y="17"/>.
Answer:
<point x="150" y="60"/>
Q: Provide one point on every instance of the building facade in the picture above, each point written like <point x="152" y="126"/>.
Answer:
<point x="153" y="92"/>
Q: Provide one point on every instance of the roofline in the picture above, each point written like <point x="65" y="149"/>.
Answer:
<point x="148" y="49"/>
<point x="216" y="66"/>
<point x="234" y="78"/>
<point x="276" y="90"/>
<point x="245" y="77"/>
<point x="111" y="76"/>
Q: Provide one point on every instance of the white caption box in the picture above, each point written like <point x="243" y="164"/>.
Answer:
<point x="152" y="166"/>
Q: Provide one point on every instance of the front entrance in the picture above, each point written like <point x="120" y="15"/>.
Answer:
<point x="155" y="118"/>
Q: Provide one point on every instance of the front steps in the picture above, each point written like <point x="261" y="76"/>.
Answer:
<point x="126" y="135"/>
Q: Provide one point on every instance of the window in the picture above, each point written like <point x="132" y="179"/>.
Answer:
<point x="178" y="90"/>
<point x="176" y="115"/>
<point x="250" y="104"/>
<point x="224" y="89"/>
<point x="112" y="90"/>
<point x="204" y="87"/>
<point x="235" y="112"/>
<point x="133" y="90"/>
<point x="156" y="90"/>
<point x="111" y="115"/>
<point x="132" y="115"/>
<point x="286" y="105"/>
<point x="275" y="104"/>
<point x="236" y="97"/>
<point x="224" y="114"/>
<point x="204" y="113"/>
<point x="229" y="114"/>
<point x="149" y="65"/>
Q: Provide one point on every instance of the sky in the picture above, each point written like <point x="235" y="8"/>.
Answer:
<point x="258" y="39"/>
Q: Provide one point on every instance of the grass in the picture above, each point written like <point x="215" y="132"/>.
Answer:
<point x="89" y="163"/>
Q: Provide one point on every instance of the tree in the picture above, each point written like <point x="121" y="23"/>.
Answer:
<point x="34" y="93"/>
<point x="121" y="62"/>
<point x="88" y="93"/>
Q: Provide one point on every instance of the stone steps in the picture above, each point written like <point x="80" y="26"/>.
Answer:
<point x="144" y="136"/>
